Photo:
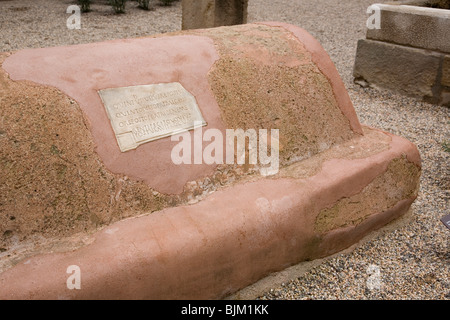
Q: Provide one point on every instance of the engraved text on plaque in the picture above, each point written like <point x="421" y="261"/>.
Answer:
<point x="144" y="113"/>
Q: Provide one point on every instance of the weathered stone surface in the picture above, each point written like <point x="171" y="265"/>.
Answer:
<point x="225" y="224"/>
<point x="199" y="14"/>
<point x="230" y="12"/>
<point x="223" y="81"/>
<point x="446" y="71"/>
<point x="419" y="27"/>
<point x="410" y="71"/>
<point x="88" y="182"/>
<point x="401" y="181"/>
<point x="408" y="53"/>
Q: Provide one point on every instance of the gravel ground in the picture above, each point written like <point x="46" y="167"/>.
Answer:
<point x="411" y="262"/>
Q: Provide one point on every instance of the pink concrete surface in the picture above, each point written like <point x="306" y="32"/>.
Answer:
<point x="210" y="249"/>
<point x="213" y="248"/>
<point x="81" y="70"/>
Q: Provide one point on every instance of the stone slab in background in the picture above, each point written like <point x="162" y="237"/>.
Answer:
<point x="446" y="71"/>
<point x="213" y="13"/>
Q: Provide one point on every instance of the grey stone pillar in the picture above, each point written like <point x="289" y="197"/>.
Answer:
<point x="199" y="14"/>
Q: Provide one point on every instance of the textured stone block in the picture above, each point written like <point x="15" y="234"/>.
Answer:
<point x="407" y="70"/>
<point x="138" y="225"/>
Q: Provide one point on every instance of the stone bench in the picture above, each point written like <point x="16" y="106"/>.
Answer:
<point x="89" y="181"/>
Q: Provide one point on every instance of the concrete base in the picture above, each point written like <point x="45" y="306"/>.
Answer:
<point x="138" y="226"/>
